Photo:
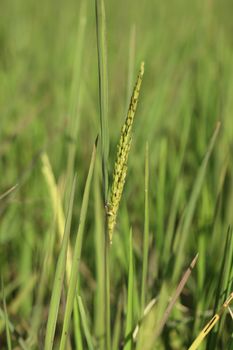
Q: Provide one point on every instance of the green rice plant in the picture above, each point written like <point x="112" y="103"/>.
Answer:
<point x="49" y="105"/>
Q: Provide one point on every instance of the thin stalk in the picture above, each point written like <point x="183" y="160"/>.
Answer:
<point x="146" y="233"/>
<point x="103" y="103"/>
<point x="103" y="90"/>
<point x="129" y="315"/>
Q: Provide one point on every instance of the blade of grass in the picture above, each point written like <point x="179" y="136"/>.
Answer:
<point x="56" y="205"/>
<point x="42" y="285"/>
<point x="85" y="324"/>
<point x="76" y="95"/>
<point x="129" y="312"/>
<point x="117" y="325"/>
<point x="77" y="326"/>
<point x="161" y="194"/>
<point x="167" y="249"/>
<point x="181" y="238"/>
<point x="146" y="232"/>
<point x="132" y="45"/>
<point x="77" y="254"/>
<point x="59" y="277"/>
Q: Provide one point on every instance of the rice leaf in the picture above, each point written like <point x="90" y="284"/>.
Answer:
<point x="146" y="231"/>
<point x="59" y="277"/>
<point x="77" y="254"/>
<point x="85" y="324"/>
<point x="182" y="237"/>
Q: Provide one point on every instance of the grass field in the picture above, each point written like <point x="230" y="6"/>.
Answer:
<point x="62" y="83"/>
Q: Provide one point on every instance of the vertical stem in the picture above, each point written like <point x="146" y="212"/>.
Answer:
<point x="103" y="102"/>
<point x="103" y="90"/>
<point x="146" y="233"/>
<point x="107" y="293"/>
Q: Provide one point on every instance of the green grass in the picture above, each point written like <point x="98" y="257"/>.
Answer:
<point x="67" y="72"/>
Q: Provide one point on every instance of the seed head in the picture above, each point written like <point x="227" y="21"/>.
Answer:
<point x="120" y="168"/>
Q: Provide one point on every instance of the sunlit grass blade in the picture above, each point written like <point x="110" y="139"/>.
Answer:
<point x="129" y="312"/>
<point x="85" y="325"/>
<point x="182" y="236"/>
<point x="146" y="232"/>
<point x="56" y="202"/>
<point x="72" y="288"/>
<point x="59" y="277"/>
<point x="210" y="324"/>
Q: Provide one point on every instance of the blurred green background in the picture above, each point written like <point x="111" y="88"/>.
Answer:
<point x="49" y="86"/>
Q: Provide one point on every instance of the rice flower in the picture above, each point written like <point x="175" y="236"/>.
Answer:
<point x="120" y="168"/>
